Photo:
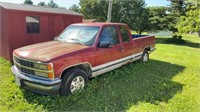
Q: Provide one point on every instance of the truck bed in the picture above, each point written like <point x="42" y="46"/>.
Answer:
<point x="138" y="36"/>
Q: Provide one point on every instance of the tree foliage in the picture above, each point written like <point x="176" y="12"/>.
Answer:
<point x="131" y="12"/>
<point x="157" y="18"/>
<point x="180" y="16"/>
<point x="28" y="2"/>
<point x="75" y="8"/>
<point x="135" y="15"/>
<point x="94" y="9"/>
<point x="176" y="10"/>
<point x="53" y="4"/>
<point x="191" y="21"/>
<point x="41" y="4"/>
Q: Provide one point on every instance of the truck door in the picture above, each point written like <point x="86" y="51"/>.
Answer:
<point x="127" y="44"/>
<point x="110" y="56"/>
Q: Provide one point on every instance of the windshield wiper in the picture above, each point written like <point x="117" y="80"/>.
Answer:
<point x="77" y="41"/>
<point x="58" y="39"/>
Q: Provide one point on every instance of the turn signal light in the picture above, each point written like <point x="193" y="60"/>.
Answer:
<point x="50" y="75"/>
<point x="49" y="67"/>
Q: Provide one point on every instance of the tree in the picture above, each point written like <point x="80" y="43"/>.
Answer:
<point x="157" y="18"/>
<point x="117" y="11"/>
<point x="176" y="10"/>
<point x="28" y="2"/>
<point x="94" y="9"/>
<point x="191" y="21"/>
<point x="53" y="4"/>
<point x="74" y="8"/>
<point x="135" y="15"/>
<point x="41" y="4"/>
<point x="131" y="12"/>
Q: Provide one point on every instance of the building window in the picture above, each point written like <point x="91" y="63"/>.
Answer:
<point x="32" y="24"/>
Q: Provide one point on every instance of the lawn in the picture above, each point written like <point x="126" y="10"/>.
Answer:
<point x="170" y="81"/>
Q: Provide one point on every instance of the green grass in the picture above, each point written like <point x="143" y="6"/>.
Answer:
<point x="170" y="81"/>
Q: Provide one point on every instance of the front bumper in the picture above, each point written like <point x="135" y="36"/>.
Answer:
<point x="36" y="84"/>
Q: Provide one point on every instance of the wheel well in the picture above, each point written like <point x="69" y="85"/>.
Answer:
<point x="85" y="67"/>
<point x="148" y="49"/>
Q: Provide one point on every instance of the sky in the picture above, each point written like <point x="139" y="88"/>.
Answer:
<point x="68" y="3"/>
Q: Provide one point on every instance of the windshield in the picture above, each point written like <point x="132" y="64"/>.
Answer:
<point x="84" y="35"/>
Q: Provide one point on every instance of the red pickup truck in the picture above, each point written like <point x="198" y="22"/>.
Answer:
<point x="80" y="52"/>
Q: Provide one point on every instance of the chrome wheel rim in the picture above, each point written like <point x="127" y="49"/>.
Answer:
<point x="145" y="58"/>
<point x="77" y="84"/>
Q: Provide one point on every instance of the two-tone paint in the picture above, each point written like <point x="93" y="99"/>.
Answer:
<point x="99" y="60"/>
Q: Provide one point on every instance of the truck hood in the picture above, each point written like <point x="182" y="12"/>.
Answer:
<point x="47" y="51"/>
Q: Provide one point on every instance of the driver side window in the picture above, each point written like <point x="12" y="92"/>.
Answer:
<point x="109" y="35"/>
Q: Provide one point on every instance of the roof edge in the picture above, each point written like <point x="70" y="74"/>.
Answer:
<point x="35" y="8"/>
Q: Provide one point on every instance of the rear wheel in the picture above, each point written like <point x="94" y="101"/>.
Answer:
<point x="73" y="81"/>
<point x="145" y="56"/>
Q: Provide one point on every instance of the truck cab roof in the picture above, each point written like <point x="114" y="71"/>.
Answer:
<point x="97" y="24"/>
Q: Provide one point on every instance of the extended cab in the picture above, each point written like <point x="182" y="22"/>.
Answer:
<point x="80" y="52"/>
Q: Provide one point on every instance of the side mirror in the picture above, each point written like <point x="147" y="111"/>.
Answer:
<point x="105" y="45"/>
<point x="55" y="38"/>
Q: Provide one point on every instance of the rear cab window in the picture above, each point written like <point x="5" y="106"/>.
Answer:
<point x="124" y="33"/>
<point x="109" y="34"/>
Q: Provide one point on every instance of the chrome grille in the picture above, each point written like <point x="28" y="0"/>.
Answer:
<point x="24" y="70"/>
<point x="29" y="67"/>
<point x="24" y="63"/>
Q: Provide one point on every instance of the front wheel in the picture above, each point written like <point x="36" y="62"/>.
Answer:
<point x="145" y="56"/>
<point x="73" y="81"/>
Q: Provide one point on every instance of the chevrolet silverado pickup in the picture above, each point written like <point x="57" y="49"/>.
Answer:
<point x="81" y="51"/>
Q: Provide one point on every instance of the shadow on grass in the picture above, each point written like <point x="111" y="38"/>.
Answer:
<point x="119" y="89"/>
<point x="180" y="42"/>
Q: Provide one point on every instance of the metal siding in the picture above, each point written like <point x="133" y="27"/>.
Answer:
<point x="58" y="25"/>
<point x="77" y="19"/>
<point x="13" y="34"/>
<point x="5" y="37"/>
<point x="16" y="32"/>
<point x="4" y="48"/>
<point x="68" y="21"/>
<point x="44" y="31"/>
<point x="18" y="35"/>
<point x="51" y="27"/>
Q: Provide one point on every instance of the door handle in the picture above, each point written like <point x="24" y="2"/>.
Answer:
<point x="122" y="49"/>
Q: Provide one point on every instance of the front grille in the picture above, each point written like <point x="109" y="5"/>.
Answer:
<point x="24" y="63"/>
<point x="27" y="67"/>
<point x="24" y="70"/>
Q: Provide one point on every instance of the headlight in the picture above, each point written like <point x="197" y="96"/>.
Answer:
<point x="44" y="70"/>
<point x="44" y="74"/>
<point x="43" y="66"/>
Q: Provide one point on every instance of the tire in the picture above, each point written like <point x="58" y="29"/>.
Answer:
<point x="73" y="81"/>
<point x="145" y="56"/>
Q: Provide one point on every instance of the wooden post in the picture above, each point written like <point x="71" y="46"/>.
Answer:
<point x="109" y="11"/>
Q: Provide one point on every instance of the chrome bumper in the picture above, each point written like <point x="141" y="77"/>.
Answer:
<point x="36" y="84"/>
